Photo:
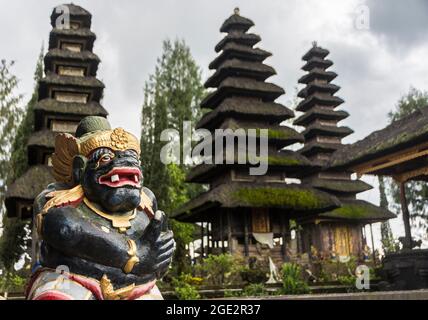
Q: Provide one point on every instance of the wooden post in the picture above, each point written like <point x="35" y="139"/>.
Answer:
<point x="406" y="217"/>
<point x="202" y="240"/>
<point x="373" y="249"/>
<point x="246" y="249"/>
<point x="221" y="232"/>
<point x="284" y="236"/>
<point x="229" y="232"/>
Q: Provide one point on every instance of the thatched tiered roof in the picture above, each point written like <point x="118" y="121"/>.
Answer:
<point x="244" y="99"/>
<point x="70" y="68"/>
<point x="323" y="139"/>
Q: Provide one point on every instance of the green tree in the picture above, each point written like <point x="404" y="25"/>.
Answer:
<point x="416" y="191"/>
<point x="387" y="238"/>
<point x="15" y="231"/>
<point x="10" y="117"/>
<point x="171" y="96"/>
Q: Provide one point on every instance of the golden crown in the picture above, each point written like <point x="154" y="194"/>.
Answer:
<point x="67" y="147"/>
<point x="117" y="139"/>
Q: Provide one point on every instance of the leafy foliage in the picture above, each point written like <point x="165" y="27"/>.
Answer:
<point x="171" y="96"/>
<point x="184" y="287"/>
<point x="416" y="191"/>
<point x="15" y="231"/>
<point x="220" y="269"/>
<point x="292" y="279"/>
<point x="10" y="117"/>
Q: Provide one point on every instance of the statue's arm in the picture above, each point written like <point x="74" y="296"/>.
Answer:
<point x="64" y="230"/>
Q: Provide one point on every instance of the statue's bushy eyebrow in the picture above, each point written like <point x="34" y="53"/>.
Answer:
<point x="94" y="156"/>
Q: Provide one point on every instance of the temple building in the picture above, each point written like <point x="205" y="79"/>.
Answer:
<point x="242" y="211"/>
<point x="399" y="151"/>
<point x="338" y="232"/>
<point x="69" y="92"/>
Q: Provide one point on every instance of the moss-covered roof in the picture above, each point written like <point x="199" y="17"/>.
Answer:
<point x="248" y="39"/>
<point x="82" y="109"/>
<point x="280" y="135"/>
<point x="320" y="113"/>
<point x="240" y="68"/>
<point x="400" y="134"/>
<point x="236" y="22"/>
<point x="294" y="199"/>
<point x="242" y="86"/>
<point x="245" y="108"/>
<point x="43" y="138"/>
<point x="359" y="210"/>
<point x="234" y="50"/>
<point x="286" y="161"/>
<point x="340" y="186"/>
<point x="28" y="186"/>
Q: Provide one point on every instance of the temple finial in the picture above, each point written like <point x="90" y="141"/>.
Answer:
<point x="314" y="44"/>
<point x="236" y="11"/>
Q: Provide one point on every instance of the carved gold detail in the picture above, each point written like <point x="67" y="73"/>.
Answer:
<point x="110" y="294"/>
<point x="120" y="222"/>
<point x="133" y="260"/>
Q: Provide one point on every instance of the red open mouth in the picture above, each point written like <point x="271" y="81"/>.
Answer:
<point x="119" y="177"/>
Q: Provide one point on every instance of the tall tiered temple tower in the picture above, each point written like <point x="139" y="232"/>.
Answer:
<point x="69" y="92"/>
<point x="338" y="231"/>
<point x="243" y="210"/>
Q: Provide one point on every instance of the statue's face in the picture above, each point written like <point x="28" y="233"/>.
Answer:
<point x="112" y="179"/>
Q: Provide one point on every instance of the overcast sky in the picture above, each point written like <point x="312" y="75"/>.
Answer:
<point x="379" y="48"/>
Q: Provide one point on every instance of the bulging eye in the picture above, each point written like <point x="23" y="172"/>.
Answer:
<point x="106" y="158"/>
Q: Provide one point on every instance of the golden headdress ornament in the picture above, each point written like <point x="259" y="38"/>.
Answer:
<point x="90" y="137"/>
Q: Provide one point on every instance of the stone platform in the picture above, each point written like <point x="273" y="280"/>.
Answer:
<point x="381" y="295"/>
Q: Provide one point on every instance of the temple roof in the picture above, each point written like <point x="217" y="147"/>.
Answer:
<point x="317" y="73"/>
<point x="407" y="132"/>
<point x="312" y="88"/>
<point x="312" y="148"/>
<point x="247" y="39"/>
<point x="234" y="50"/>
<point x="72" y="108"/>
<point x="242" y="86"/>
<point x="76" y="13"/>
<point x="28" y="186"/>
<point x="236" y="22"/>
<point x="240" y="68"/>
<point x="318" y="129"/>
<point x="67" y="82"/>
<point x="292" y="163"/>
<point x="293" y="199"/>
<point x="43" y="138"/>
<point x="340" y="186"/>
<point x="242" y="108"/>
<point x="315" y="51"/>
<point x="320" y="113"/>
<point x="316" y="62"/>
<point x="82" y="34"/>
<point x="317" y="99"/>
<point x="58" y="55"/>
<point x="359" y="210"/>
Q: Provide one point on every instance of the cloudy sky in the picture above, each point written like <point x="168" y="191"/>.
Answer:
<point x="379" y="48"/>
